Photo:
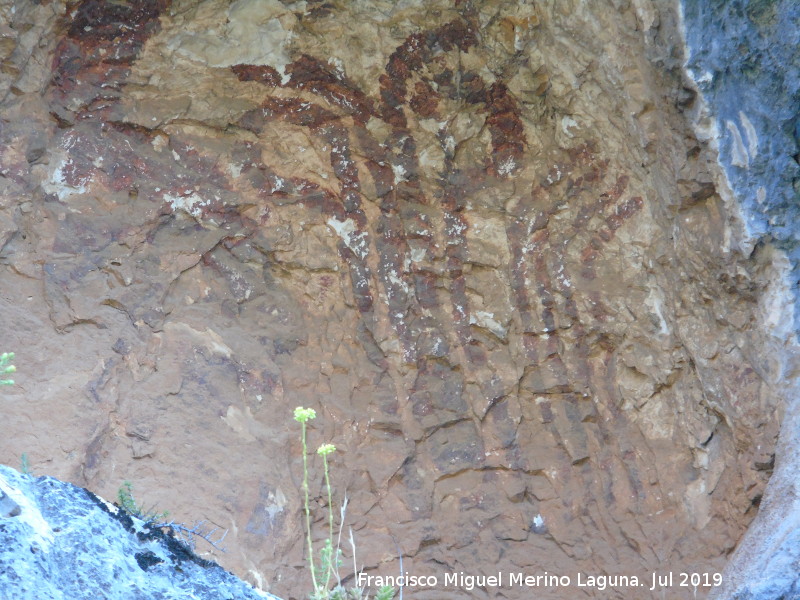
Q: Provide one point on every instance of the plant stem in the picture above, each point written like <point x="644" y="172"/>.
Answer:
<point x="332" y="557"/>
<point x="308" y="512"/>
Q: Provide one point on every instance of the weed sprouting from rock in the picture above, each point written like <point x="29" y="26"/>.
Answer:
<point x="157" y="520"/>
<point x="330" y="556"/>
<point x="6" y="367"/>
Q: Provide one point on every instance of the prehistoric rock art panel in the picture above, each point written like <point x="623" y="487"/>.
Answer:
<point x="459" y="231"/>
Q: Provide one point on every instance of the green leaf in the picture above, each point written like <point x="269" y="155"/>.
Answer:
<point x="387" y="592"/>
<point x="25" y="465"/>
<point x="5" y="367"/>
<point x="128" y="504"/>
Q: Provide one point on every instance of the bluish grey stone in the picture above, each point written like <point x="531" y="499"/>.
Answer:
<point x="744" y="56"/>
<point x="65" y="543"/>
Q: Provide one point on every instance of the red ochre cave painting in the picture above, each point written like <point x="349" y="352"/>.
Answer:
<point x="421" y="80"/>
<point x="417" y="77"/>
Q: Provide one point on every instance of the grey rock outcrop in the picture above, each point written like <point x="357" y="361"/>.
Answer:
<point x="743" y="57"/>
<point x="58" y="541"/>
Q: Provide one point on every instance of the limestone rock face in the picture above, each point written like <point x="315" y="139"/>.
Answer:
<point x="750" y="77"/>
<point x="749" y="112"/>
<point x="64" y="543"/>
<point x="480" y="238"/>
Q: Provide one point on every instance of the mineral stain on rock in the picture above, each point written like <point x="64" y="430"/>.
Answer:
<point x="481" y="238"/>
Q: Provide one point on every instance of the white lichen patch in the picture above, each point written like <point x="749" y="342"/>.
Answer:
<point x="337" y="65"/>
<point x="450" y="144"/>
<point x="562" y="278"/>
<point x="234" y="169"/>
<point x="57" y="184"/>
<point x="462" y="313"/>
<point x="395" y="279"/>
<point x="399" y="174"/>
<point x="454" y="228"/>
<point x="537" y="524"/>
<point x="352" y="238"/>
<point x="506" y="167"/>
<point x="417" y="254"/>
<point x="555" y="175"/>
<point x="192" y="204"/>
<point x="567" y="123"/>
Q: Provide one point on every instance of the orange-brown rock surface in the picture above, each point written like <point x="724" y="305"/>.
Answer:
<point x="480" y="238"/>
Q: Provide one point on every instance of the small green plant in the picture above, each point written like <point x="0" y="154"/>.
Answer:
<point x="25" y="464"/>
<point x="385" y="593"/>
<point x="128" y="504"/>
<point x="6" y="367"/>
<point x="157" y="520"/>
<point x="330" y="557"/>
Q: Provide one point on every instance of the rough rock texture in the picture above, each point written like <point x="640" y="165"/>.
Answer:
<point x="61" y="542"/>
<point x="744" y="59"/>
<point x="481" y="239"/>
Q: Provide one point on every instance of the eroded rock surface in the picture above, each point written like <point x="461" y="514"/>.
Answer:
<point x="743" y="58"/>
<point x="750" y="77"/>
<point x="481" y="239"/>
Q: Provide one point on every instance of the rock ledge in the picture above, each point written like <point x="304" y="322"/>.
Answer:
<point x="58" y="541"/>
